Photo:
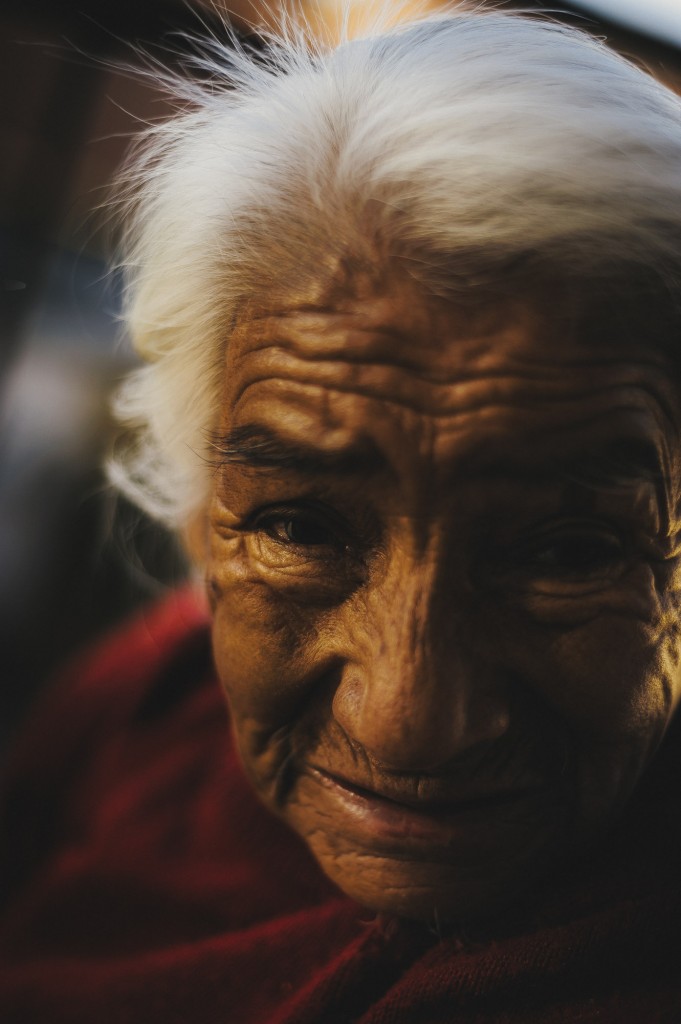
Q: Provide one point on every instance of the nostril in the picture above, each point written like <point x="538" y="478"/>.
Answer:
<point x="347" y="703"/>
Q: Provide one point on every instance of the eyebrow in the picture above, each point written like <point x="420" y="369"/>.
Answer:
<point x="620" y="463"/>
<point x="613" y="467"/>
<point x="609" y="467"/>
<point x="259" y="447"/>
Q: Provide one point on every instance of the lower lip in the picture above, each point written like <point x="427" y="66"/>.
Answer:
<point x="443" y="826"/>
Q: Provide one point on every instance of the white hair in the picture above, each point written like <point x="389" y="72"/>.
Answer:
<point x="468" y="144"/>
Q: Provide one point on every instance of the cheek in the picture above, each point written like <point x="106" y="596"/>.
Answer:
<point x="260" y="649"/>
<point x="251" y="656"/>
<point x="607" y="663"/>
<point x="266" y="658"/>
<point x="618" y="678"/>
<point x="608" y="678"/>
<point x="613" y="683"/>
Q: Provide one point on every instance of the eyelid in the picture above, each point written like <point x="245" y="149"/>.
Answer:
<point x="303" y="506"/>
<point x="553" y="533"/>
<point x="600" y="553"/>
<point x="314" y="512"/>
<point x="565" y="525"/>
<point x="332" y="570"/>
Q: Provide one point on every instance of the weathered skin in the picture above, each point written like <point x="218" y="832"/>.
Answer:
<point x="450" y="634"/>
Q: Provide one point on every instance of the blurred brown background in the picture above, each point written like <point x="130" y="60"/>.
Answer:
<point x="73" y="559"/>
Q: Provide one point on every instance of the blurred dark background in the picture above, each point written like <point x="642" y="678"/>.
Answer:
<point x="74" y="559"/>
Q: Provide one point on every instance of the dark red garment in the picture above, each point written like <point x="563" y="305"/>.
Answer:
<point x="146" y="885"/>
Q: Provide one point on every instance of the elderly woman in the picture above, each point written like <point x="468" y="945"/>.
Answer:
<point x="410" y="308"/>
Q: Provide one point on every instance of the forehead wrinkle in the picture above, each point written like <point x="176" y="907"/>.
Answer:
<point x="428" y="354"/>
<point x="290" y="354"/>
<point x="458" y="450"/>
<point x="484" y="394"/>
<point x="385" y="319"/>
<point x="614" y="456"/>
<point x="433" y="341"/>
<point x="311" y="365"/>
<point x="538" y="380"/>
<point x="439" y="350"/>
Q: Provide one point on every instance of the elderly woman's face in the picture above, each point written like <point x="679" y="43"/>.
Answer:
<point x="443" y="566"/>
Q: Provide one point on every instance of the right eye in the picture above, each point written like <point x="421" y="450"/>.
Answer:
<point x="300" y="529"/>
<point x="308" y="549"/>
<point x="307" y="533"/>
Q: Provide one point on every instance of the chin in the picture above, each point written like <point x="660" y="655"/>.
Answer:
<point x="435" y="895"/>
<point x="459" y="867"/>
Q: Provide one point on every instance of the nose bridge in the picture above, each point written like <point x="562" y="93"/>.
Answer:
<point x="413" y="668"/>
<point x="415" y="697"/>
<point x="405" y="620"/>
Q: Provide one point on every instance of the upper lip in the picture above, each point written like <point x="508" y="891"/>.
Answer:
<point x="430" y="794"/>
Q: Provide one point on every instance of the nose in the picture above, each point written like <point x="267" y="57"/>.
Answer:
<point x="416" y="692"/>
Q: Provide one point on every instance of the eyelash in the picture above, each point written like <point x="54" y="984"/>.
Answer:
<point x="331" y="531"/>
<point x="571" y="552"/>
<point x="589" y="550"/>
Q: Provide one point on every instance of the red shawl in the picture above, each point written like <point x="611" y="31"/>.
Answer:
<point x="144" y="884"/>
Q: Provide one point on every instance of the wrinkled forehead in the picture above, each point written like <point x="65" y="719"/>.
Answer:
<point x="425" y="336"/>
<point x="384" y="316"/>
<point x="384" y="375"/>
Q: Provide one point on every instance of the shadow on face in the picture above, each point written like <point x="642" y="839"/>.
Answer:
<point x="442" y="563"/>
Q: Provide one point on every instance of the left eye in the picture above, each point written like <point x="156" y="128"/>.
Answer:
<point x="578" y="553"/>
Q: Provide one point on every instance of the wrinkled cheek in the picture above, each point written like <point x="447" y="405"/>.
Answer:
<point x="260" y="722"/>
<point x="613" y="683"/>
<point x="260" y="655"/>
<point x="616" y="762"/>
<point x="610" y="678"/>
<point x="670" y="662"/>
<point x="256" y="645"/>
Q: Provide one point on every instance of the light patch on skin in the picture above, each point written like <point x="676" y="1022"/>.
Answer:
<point x="443" y="564"/>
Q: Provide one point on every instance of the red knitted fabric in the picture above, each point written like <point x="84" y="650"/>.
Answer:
<point x="144" y="884"/>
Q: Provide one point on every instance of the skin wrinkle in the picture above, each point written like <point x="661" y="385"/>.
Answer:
<point x="433" y="410"/>
<point x="258" y="450"/>
<point x="412" y="425"/>
<point x="361" y="336"/>
<point x="665" y="498"/>
<point x="450" y="405"/>
<point x="418" y="660"/>
<point x="305" y="350"/>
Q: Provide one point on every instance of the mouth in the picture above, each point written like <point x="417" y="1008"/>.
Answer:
<point x="435" y="823"/>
